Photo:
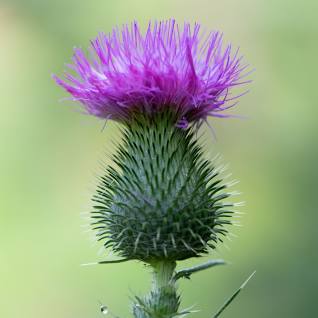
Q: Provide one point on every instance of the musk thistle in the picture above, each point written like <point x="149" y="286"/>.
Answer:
<point x="162" y="201"/>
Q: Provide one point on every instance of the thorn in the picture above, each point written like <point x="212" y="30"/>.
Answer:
<point x="115" y="261"/>
<point x="239" y="204"/>
<point x="164" y="250"/>
<point x="154" y="244"/>
<point x="137" y="242"/>
<point x="188" y="246"/>
<point x="235" y="193"/>
<point x="217" y="157"/>
<point x="89" y="264"/>
<point x="192" y="233"/>
<point x="121" y="233"/>
<point x="237" y="223"/>
<point x="210" y="229"/>
<point x="158" y="234"/>
<point x="199" y="221"/>
<point x="173" y="241"/>
<point x="232" y="183"/>
<point x="120" y="242"/>
<point x="247" y="280"/>
<point x="223" y="168"/>
<point x="239" y="212"/>
<point x="201" y="240"/>
<point x="227" y="176"/>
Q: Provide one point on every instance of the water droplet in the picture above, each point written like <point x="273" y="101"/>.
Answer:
<point x="104" y="309"/>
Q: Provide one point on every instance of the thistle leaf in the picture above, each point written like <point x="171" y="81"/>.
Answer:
<point x="230" y="299"/>
<point x="187" y="272"/>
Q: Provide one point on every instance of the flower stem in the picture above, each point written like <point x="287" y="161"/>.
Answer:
<point x="163" y="300"/>
<point x="162" y="274"/>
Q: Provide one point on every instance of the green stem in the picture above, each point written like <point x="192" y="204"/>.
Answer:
<point x="162" y="274"/>
<point x="163" y="300"/>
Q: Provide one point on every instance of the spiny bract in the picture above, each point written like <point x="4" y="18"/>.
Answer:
<point x="164" y="200"/>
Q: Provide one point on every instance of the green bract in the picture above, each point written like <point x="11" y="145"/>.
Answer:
<point x="164" y="200"/>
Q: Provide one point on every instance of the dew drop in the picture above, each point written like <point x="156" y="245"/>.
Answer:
<point x="104" y="309"/>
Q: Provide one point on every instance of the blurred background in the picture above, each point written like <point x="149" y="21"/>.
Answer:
<point x="50" y="154"/>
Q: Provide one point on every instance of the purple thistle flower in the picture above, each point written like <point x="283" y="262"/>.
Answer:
<point x="168" y="67"/>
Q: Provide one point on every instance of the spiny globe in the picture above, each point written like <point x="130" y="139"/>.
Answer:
<point x="164" y="200"/>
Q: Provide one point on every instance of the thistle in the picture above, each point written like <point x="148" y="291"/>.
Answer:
<point x="162" y="201"/>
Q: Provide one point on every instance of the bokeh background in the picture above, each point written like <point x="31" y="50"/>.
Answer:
<point x="50" y="154"/>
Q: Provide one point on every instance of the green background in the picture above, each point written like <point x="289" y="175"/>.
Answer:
<point x="50" y="154"/>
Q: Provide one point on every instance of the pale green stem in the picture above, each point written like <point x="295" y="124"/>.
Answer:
<point x="162" y="301"/>
<point x="163" y="272"/>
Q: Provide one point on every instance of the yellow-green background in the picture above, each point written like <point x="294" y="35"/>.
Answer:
<point x="50" y="153"/>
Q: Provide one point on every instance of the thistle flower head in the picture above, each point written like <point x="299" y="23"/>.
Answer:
<point x="169" y="66"/>
<point x="163" y="200"/>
